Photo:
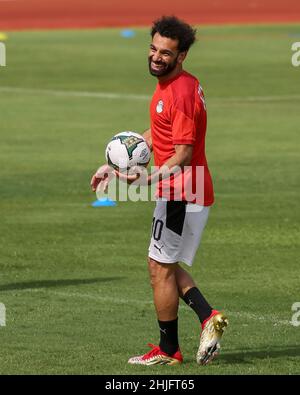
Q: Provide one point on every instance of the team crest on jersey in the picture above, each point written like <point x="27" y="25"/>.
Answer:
<point x="160" y="107"/>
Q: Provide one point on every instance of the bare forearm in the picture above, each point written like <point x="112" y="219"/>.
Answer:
<point x="177" y="159"/>
<point x="182" y="157"/>
<point x="148" y="138"/>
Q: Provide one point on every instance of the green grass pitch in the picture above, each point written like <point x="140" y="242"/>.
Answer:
<point x="74" y="278"/>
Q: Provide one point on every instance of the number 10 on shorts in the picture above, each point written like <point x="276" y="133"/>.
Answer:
<point x="157" y="227"/>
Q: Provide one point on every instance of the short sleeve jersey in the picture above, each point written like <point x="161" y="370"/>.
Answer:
<point x="178" y="116"/>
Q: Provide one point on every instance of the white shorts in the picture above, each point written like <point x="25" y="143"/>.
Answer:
<point x="176" y="231"/>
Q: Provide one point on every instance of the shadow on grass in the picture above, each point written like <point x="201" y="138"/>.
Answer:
<point x="55" y="283"/>
<point x="246" y="356"/>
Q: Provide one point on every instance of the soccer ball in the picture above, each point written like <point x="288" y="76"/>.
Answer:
<point x="127" y="149"/>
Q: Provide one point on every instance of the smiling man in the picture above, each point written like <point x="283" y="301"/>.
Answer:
<point x="177" y="138"/>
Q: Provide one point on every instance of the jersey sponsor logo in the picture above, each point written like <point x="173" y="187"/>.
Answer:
<point x="201" y="95"/>
<point x="160" y="107"/>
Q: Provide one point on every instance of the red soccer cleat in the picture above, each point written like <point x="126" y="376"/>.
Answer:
<point x="156" y="357"/>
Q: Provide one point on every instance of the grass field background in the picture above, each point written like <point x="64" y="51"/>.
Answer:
<point x="74" y="278"/>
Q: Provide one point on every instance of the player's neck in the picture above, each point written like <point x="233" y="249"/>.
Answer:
<point x="165" y="78"/>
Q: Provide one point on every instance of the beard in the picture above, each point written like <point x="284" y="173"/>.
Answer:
<point x="163" y="68"/>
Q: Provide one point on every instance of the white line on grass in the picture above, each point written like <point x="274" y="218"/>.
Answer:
<point x="250" y="316"/>
<point x="101" y="298"/>
<point x="98" y="95"/>
<point x="129" y="96"/>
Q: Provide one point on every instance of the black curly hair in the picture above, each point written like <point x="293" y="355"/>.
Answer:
<point x="174" y="28"/>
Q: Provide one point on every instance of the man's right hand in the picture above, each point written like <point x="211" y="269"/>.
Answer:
<point x="103" y="175"/>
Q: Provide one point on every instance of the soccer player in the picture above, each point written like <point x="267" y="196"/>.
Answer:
<point x="177" y="138"/>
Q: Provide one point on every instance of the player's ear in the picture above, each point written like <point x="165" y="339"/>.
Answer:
<point x="181" y="57"/>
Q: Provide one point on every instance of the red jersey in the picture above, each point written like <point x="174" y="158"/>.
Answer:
<point x="178" y="116"/>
